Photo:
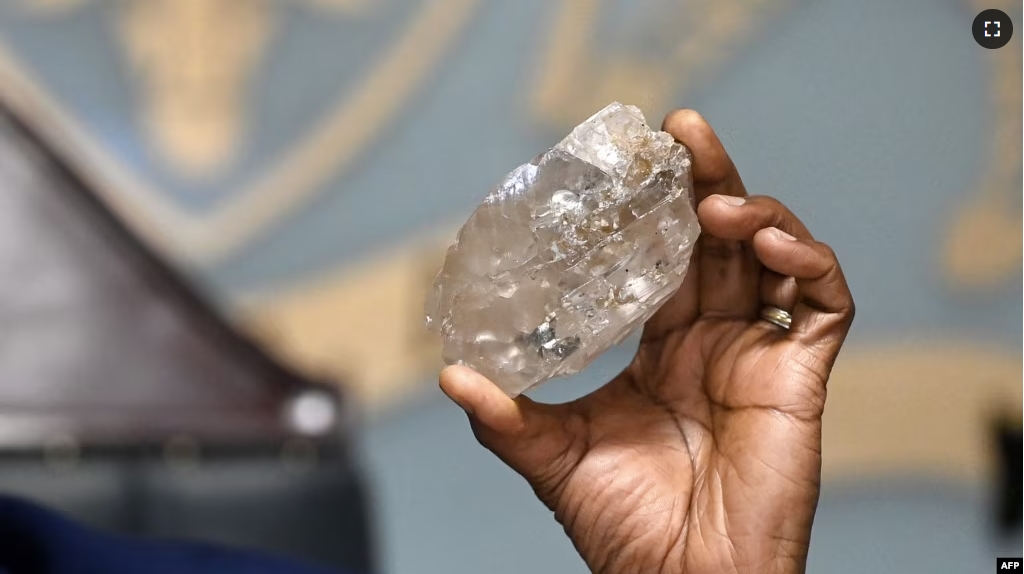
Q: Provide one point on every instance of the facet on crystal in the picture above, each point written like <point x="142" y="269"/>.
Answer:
<point x="569" y="254"/>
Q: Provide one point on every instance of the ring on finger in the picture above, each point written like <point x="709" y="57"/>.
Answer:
<point x="777" y="317"/>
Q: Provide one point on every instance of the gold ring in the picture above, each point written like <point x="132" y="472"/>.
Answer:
<point x="777" y="316"/>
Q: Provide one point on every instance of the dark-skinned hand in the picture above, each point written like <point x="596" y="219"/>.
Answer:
<point x="704" y="454"/>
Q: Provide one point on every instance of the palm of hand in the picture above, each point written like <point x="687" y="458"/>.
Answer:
<point x="703" y="455"/>
<point x="674" y="458"/>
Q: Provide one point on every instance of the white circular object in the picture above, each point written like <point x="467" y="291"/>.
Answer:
<point x="312" y="413"/>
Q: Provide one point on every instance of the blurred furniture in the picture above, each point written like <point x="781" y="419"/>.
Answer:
<point x="128" y="403"/>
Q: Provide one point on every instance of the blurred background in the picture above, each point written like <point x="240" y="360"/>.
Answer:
<point x="220" y="218"/>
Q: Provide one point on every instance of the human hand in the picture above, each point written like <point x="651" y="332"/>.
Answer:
<point x="704" y="454"/>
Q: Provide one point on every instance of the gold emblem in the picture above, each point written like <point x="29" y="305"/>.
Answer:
<point x="191" y="61"/>
<point x="190" y="99"/>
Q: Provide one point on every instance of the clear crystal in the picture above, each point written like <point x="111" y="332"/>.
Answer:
<point x="569" y="255"/>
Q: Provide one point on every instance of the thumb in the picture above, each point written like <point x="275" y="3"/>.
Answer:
<point x="538" y="441"/>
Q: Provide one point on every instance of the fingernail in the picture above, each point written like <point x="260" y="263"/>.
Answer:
<point x="732" y="200"/>
<point x="780" y="234"/>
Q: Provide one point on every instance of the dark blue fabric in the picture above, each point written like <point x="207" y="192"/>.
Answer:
<point x="34" y="540"/>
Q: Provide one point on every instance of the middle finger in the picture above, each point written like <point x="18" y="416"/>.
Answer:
<point x="730" y="273"/>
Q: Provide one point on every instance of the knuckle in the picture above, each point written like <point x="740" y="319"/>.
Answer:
<point x="828" y="253"/>
<point x="825" y="262"/>
<point x="774" y="213"/>
<point x="848" y="304"/>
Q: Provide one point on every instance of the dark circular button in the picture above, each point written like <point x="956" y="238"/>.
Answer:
<point x="992" y="29"/>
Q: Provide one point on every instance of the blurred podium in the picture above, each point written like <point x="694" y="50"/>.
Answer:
<point x="126" y="402"/>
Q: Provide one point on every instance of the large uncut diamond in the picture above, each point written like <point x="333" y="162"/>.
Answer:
<point x="569" y="255"/>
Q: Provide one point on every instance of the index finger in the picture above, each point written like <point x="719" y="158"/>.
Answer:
<point x="713" y="259"/>
<point x="713" y="170"/>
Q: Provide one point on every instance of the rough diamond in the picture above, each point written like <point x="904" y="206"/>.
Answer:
<point x="569" y="255"/>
